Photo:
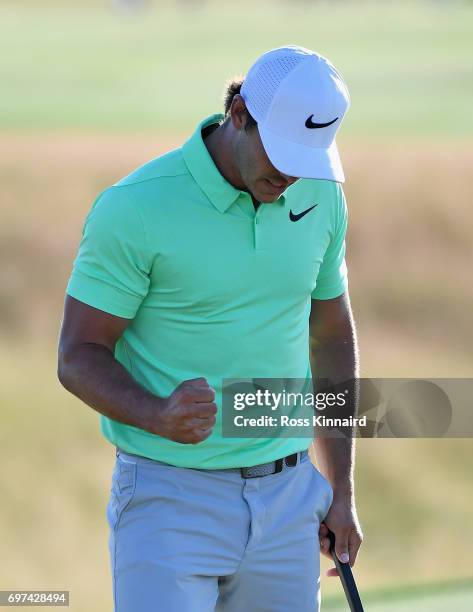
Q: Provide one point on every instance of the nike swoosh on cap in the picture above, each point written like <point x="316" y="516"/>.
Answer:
<point x="315" y="126"/>
<point x="296" y="217"/>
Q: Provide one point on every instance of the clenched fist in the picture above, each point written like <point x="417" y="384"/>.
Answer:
<point x="188" y="414"/>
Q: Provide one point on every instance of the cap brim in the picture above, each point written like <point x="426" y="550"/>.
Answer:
<point x="300" y="160"/>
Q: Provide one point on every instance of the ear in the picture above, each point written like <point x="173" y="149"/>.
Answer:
<point x="238" y="112"/>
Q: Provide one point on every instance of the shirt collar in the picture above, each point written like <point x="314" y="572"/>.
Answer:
<point x="204" y="171"/>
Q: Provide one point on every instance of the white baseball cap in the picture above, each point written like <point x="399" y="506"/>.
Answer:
<point x="298" y="99"/>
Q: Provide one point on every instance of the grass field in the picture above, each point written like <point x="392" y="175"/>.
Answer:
<point x="414" y="500"/>
<point x="409" y="65"/>
<point x="457" y="595"/>
<point x="88" y="95"/>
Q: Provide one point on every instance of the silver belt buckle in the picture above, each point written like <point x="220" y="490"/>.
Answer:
<point x="264" y="469"/>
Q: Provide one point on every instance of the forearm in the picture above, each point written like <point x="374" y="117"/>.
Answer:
<point x="92" y="374"/>
<point x="338" y="361"/>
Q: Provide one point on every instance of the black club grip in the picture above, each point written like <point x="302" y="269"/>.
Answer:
<point x="346" y="577"/>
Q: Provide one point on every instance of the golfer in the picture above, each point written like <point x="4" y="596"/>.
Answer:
<point x="223" y="258"/>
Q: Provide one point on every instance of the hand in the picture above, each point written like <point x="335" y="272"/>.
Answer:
<point x="343" y="521"/>
<point x="188" y="414"/>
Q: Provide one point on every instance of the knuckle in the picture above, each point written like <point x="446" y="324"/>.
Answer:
<point x="210" y="410"/>
<point x="185" y="411"/>
<point x="186" y="396"/>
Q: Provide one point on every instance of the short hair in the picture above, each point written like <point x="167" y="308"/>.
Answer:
<point x="233" y="87"/>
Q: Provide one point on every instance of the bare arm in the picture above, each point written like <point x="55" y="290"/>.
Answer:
<point x="334" y="355"/>
<point x="88" y="369"/>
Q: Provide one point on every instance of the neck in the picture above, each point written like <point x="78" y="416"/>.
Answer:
<point x="219" y="146"/>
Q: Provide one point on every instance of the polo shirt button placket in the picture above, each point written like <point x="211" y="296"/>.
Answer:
<point x="256" y="233"/>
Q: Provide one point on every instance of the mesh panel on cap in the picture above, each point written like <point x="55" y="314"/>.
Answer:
<point x="261" y="84"/>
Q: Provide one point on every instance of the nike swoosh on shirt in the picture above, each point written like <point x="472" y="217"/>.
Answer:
<point x="296" y="217"/>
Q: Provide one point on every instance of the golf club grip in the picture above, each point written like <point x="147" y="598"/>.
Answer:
<point x="346" y="577"/>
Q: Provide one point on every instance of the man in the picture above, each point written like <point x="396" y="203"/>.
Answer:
<point x="220" y="259"/>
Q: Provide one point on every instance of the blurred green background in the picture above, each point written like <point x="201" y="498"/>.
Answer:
<point x="91" y="90"/>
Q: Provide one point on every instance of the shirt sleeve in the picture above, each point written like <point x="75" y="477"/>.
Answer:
<point x="332" y="279"/>
<point x="111" y="271"/>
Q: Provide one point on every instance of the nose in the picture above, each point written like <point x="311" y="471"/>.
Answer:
<point x="288" y="179"/>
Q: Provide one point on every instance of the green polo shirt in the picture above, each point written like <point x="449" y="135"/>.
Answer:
<point x="213" y="287"/>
